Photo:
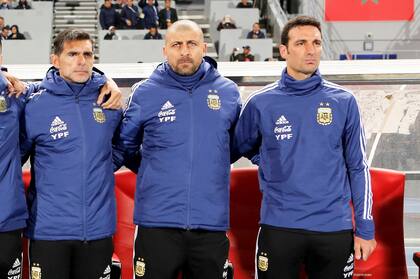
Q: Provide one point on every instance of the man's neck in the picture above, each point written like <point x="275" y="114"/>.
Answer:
<point x="298" y="75"/>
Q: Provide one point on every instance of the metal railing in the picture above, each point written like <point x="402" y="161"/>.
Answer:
<point x="277" y="17"/>
<point x="401" y="53"/>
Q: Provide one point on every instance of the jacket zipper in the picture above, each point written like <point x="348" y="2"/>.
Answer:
<point x="82" y="134"/>
<point x="191" y="159"/>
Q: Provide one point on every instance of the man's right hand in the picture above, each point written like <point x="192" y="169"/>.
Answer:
<point x="115" y="96"/>
<point x="363" y="248"/>
<point x="14" y="85"/>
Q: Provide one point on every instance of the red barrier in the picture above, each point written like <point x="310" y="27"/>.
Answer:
<point x="125" y="182"/>
<point x="245" y="200"/>
<point x="388" y="261"/>
<point x="26" y="176"/>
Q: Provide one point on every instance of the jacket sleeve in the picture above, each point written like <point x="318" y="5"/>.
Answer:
<point x="162" y="21"/>
<point x="102" y="19"/>
<point x="124" y="15"/>
<point x="31" y="87"/>
<point x="120" y="157"/>
<point x="175" y="15"/>
<point x="232" y="129"/>
<point x="358" y="172"/>
<point x="3" y="81"/>
<point x="247" y="137"/>
<point x="25" y="140"/>
<point x="130" y="136"/>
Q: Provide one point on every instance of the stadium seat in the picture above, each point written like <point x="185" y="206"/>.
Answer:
<point x="388" y="260"/>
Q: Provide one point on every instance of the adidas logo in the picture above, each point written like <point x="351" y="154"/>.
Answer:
<point x="57" y="121"/>
<point x="15" y="271"/>
<point x="16" y="264"/>
<point x="107" y="270"/>
<point x="350" y="260"/>
<point x="167" y="113"/>
<point x="167" y="105"/>
<point x="282" y="120"/>
<point x="58" y="129"/>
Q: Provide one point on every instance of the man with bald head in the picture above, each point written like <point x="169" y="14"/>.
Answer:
<point x="183" y="118"/>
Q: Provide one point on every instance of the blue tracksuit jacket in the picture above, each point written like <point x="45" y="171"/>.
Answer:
<point x="311" y="147"/>
<point x="13" y="212"/>
<point x="183" y="179"/>
<point x="69" y="139"/>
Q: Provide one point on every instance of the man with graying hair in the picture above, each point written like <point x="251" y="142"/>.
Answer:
<point x="13" y="209"/>
<point x="68" y="136"/>
<point x="183" y="117"/>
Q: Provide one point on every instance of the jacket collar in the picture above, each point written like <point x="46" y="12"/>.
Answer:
<point x="161" y="73"/>
<point x="291" y="86"/>
<point x="58" y="86"/>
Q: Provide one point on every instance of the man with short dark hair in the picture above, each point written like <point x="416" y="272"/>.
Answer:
<point x="150" y="12"/>
<point x="153" y="34"/>
<point x="13" y="211"/>
<point x="256" y="32"/>
<point x="108" y="15"/>
<point x="23" y="5"/>
<point x="68" y="137"/>
<point x="167" y="15"/>
<point x="5" y="32"/>
<point x="306" y="135"/>
<point x="244" y="4"/>
<point x="182" y="117"/>
<point x="143" y="3"/>
<point x="130" y="15"/>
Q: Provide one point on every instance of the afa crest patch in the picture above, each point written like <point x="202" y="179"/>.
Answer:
<point x="99" y="115"/>
<point x="263" y="262"/>
<point x="36" y="272"/>
<point x="213" y="101"/>
<point x="3" y="104"/>
<point x="324" y="114"/>
<point x="140" y="268"/>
